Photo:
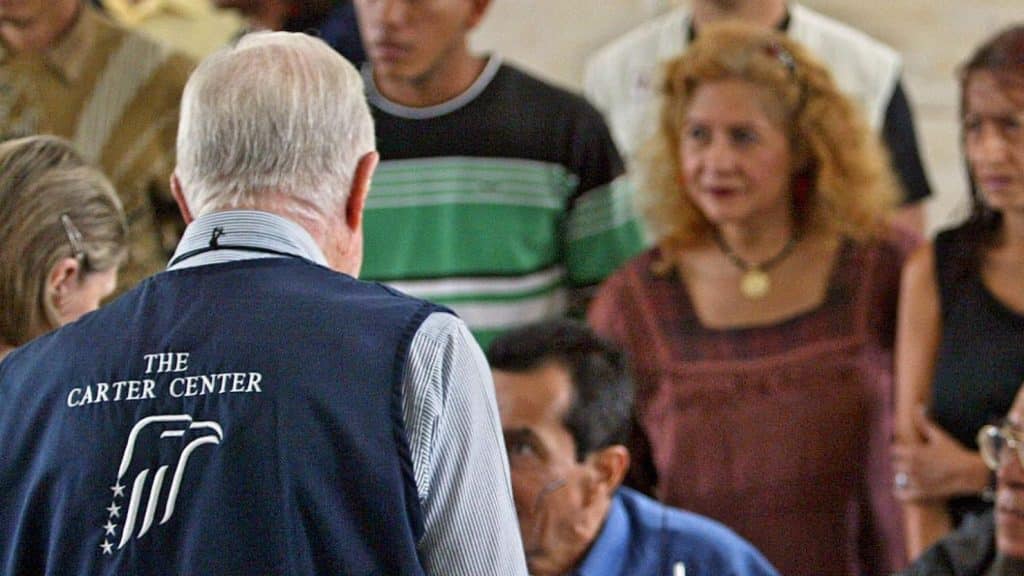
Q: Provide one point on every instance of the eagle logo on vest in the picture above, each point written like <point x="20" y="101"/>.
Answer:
<point x="139" y="499"/>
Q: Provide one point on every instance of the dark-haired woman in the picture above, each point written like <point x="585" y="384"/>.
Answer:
<point x="960" y="344"/>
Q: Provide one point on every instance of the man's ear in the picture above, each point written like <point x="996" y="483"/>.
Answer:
<point x="477" y="12"/>
<point x="609" y="466"/>
<point x="179" y="198"/>
<point x="360" y="188"/>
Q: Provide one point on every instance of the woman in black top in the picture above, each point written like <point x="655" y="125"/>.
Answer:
<point x="960" y="341"/>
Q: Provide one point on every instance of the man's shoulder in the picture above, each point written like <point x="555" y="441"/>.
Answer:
<point x="613" y="73"/>
<point x="587" y="148"/>
<point x="442" y="329"/>
<point x="621" y="78"/>
<point x="675" y="524"/>
<point x="293" y="277"/>
<point x="532" y="90"/>
<point x="648" y="41"/>
<point x="968" y="550"/>
<point x="697" y="541"/>
<point x="142" y="54"/>
<point x="822" y="33"/>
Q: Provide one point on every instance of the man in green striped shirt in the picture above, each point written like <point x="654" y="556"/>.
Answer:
<point x="498" y="194"/>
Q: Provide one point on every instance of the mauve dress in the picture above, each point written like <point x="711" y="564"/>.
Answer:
<point x="781" y="432"/>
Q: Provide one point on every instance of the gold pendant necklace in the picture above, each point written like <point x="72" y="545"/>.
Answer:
<point x="755" y="282"/>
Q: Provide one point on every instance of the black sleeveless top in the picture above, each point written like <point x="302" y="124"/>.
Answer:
<point x="980" y="363"/>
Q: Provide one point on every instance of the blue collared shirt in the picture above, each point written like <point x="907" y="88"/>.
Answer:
<point x="642" y="537"/>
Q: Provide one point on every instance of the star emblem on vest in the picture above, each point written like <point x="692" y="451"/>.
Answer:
<point x="154" y="432"/>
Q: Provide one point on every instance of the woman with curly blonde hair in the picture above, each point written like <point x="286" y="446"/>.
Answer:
<point x="760" y="327"/>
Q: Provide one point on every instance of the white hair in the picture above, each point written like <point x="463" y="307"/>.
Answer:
<point x="279" y="115"/>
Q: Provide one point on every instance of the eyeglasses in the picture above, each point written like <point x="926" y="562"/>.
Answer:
<point x="995" y="441"/>
<point x="74" y="237"/>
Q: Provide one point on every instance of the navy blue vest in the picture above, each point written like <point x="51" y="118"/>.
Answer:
<point x="240" y="418"/>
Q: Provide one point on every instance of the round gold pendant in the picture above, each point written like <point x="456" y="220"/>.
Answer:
<point x="754" y="284"/>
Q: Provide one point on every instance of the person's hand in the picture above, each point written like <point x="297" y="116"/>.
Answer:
<point x="936" y="468"/>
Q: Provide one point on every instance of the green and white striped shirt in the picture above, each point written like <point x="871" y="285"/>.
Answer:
<point x="501" y="203"/>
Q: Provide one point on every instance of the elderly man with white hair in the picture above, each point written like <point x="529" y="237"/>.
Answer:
<point x="256" y="409"/>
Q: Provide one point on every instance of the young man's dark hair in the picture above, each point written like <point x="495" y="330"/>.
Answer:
<point x="603" y="393"/>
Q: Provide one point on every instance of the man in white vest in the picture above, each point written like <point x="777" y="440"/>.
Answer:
<point x="621" y="80"/>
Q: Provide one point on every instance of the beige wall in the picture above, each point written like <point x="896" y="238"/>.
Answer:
<point x="554" y="37"/>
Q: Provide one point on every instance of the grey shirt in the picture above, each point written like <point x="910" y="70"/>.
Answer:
<point x="968" y="551"/>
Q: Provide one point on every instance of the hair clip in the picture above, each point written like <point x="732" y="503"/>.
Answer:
<point x="74" y="236"/>
<point x="779" y="53"/>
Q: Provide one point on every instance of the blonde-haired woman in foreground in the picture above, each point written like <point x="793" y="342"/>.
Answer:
<point x="62" y="236"/>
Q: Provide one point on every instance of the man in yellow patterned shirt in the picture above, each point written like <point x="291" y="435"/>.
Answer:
<point x="66" y="70"/>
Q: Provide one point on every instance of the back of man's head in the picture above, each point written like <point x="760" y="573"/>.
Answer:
<point x="278" y="120"/>
<point x="599" y="415"/>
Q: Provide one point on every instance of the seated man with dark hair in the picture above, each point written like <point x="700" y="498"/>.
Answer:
<point x="565" y="401"/>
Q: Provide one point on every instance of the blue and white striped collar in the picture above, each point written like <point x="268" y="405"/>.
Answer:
<point x="249" y="228"/>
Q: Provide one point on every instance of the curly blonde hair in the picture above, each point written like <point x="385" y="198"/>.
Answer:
<point x="844" y="170"/>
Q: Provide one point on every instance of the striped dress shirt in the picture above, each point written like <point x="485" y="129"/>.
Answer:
<point x="448" y="404"/>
